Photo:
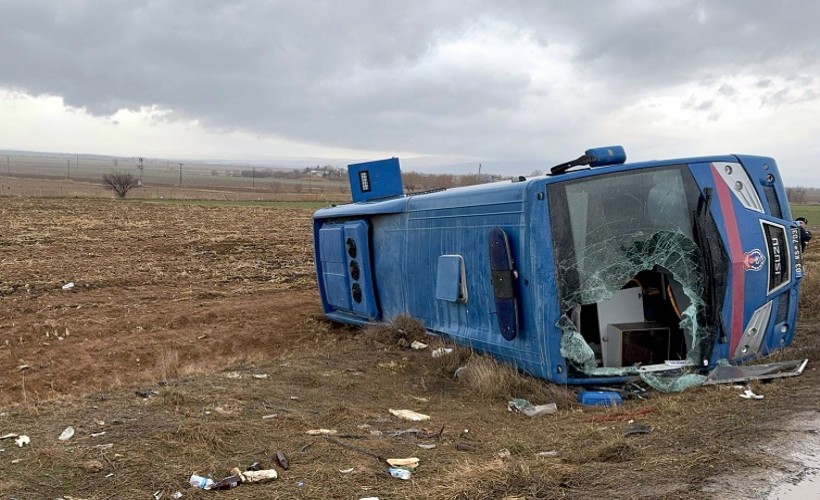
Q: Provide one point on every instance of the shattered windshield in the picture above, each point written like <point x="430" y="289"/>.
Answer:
<point x="626" y="229"/>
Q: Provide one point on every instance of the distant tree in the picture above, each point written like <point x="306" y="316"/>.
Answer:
<point x="120" y="182"/>
<point x="796" y="194"/>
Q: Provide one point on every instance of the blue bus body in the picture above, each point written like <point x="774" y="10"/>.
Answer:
<point x="613" y="268"/>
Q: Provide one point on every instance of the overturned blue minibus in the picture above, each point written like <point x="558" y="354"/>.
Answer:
<point x="590" y="274"/>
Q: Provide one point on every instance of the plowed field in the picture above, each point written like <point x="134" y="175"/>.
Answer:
<point x="192" y="339"/>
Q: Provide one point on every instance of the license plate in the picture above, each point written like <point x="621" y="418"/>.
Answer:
<point x="798" y="254"/>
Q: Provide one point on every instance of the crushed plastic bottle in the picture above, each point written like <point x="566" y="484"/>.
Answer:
<point x="203" y="483"/>
<point x="228" y="483"/>
<point x="399" y="473"/>
<point x="282" y="460"/>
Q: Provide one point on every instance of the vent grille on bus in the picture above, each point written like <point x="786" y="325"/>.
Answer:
<point x="774" y="203"/>
<point x="783" y="309"/>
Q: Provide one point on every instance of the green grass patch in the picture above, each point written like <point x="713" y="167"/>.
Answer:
<point x="810" y="212"/>
<point x="313" y="205"/>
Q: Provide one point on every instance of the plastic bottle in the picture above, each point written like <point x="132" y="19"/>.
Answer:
<point x="283" y="460"/>
<point x="399" y="473"/>
<point x="203" y="483"/>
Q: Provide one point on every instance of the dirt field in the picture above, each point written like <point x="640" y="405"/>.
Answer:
<point x="214" y="309"/>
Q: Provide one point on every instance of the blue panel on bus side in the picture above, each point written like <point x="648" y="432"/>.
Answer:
<point x="334" y="266"/>
<point x="359" y="265"/>
<point x="375" y="179"/>
<point x="449" y="276"/>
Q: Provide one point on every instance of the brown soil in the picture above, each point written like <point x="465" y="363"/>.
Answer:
<point x="192" y="302"/>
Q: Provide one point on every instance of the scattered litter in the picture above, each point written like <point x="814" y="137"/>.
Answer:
<point x="304" y="448"/>
<point x="67" y="434"/>
<point x="407" y="463"/>
<point x="749" y="394"/>
<point x="110" y="474"/>
<point x="627" y="415"/>
<point x="322" y="432"/>
<point x="465" y="447"/>
<point x="391" y="365"/>
<point x="424" y="446"/>
<point x="637" y="428"/>
<point x="68" y="286"/>
<point x="504" y="454"/>
<point x="299" y="484"/>
<point x="100" y="422"/>
<point x="518" y="405"/>
<point x="147" y="393"/>
<point x="93" y="466"/>
<point x="103" y="447"/>
<point x="369" y="498"/>
<point x="272" y="415"/>
<point x="441" y="351"/>
<point x="416" y="345"/>
<point x="97" y="434"/>
<point x="158" y="494"/>
<point x="16" y="460"/>
<point x="22" y="440"/>
<point x="729" y="374"/>
<point x="668" y="365"/>
<point x="547" y="454"/>
<point x="459" y="372"/>
<point x="347" y="471"/>
<point x="254" y="466"/>
<point x="421" y="399"/>
<point x="409" y="415"/>
<point x="203" y="483"/>
<point x="23" y="367"/>
<point x="260" y="376"/>
<point x="233" y="375"/>
<point x="398" y="433"/>
<point x="282" y="460"/>
<point x="254" y="476"/>
<point x="8" y="436"/>
<point x="599" y="398"/>
<point x="227" y="483"/>
<point x="177" y="495"/>
<point x="202" y="337"/>
<point x="294" y="398"/>
<point x="399" y="473"/>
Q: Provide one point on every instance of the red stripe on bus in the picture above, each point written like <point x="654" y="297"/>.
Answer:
<point x="738" y="281"/>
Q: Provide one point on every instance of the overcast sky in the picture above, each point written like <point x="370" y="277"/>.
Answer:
<point x="453" y="81"/>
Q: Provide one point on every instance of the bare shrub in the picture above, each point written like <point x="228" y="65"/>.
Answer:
<point x="492" y="379"/>
<point x="120" y="182"/>
<point x="402" y="331"/>
<point x="168" y="364"/>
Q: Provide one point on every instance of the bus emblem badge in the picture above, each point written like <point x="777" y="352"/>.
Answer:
<point x="753" y="260"/>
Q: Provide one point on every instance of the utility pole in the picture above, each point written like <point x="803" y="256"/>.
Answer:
<point x="253" y="177"/>
<point x="180" y="175"/>
<point x="68" y="168"/>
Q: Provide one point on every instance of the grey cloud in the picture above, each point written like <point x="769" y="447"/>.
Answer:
<point x="727" y="91"/>
<point x="361" y="74"/>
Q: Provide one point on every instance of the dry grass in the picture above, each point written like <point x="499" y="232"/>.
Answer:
<point x="168" y="364"/>
<point x="268" y="320"/>
<point x="493" y="380"/>
<point x="400" y="332"/>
